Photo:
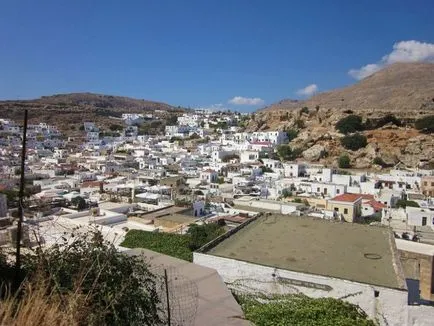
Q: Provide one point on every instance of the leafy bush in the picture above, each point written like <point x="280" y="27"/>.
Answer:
<point x="300" y="310"/>
<point x="286" y="193"/>
<point x="425" y="124"/>
<point x="286" y="153"/>
<point x="175" y="245"/>
<point x="374" y="124"/>
<point x="292" y="134"/>
<point x="349" y="124"/>
<point x="354" y="142"/>
<point x="200" y="235"/>
<point x="305" y="110"/>
<point x="344" y="161"/>
<point x="404" y="203"/>
<point x="114" y="289"/>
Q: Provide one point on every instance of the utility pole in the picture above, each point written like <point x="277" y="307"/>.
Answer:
<point x="20" y="205"/>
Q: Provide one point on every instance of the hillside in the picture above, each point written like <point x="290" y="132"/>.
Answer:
<point x="404" y="90"/>
<point x="401" y="86"/>
<point x="65" y="110"/>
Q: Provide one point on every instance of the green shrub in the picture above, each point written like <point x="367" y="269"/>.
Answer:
<point x="404" y="203"/>
<point x="305" y="110"/>
<point x="354" y="142"/>
<point x="292" y="134"/>
<point x="378" y="123"/>
<point x="286" y="153"/>
<point x="344" y="161"/>
<point x="202" y="234"/>
<point x="425" y="124"/>
<point x="300" y="310"/>
<point x="349" y="124"/>
<point x="117" y="289"/>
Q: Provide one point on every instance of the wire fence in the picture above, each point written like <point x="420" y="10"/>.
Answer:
<point x="178" y="296"/>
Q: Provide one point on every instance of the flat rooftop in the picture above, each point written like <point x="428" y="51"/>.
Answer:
<point x="355" y="252"/>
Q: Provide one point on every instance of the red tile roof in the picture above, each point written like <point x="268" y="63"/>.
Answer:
<point x="367" y="196"/>
<point x="376" y="205"/>
<point x="347" y="197"/>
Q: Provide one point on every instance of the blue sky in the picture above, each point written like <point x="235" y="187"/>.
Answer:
<point x="203" y="53"/>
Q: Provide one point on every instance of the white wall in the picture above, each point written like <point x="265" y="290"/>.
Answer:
<point x="391" y="305"/>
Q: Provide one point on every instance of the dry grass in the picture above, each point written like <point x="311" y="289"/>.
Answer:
<point x="38" y="307"/>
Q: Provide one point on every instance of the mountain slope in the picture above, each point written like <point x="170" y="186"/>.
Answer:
<point x="404" y="90"/>
<point x="68" y="110"/>
<point x="401" y="86"/>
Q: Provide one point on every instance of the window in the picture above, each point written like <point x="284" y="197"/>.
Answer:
<point x="432" y="184"/>
<point x="424" y="219"/>
<point x="338" y="191"/>
<point x="345" y="210"/>
<point x="318" y="190"/>
<point x="325" y="191"/>
<point x="336" y="209"/>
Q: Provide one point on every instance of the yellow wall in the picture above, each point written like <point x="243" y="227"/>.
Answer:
<point x="351" y="214"/>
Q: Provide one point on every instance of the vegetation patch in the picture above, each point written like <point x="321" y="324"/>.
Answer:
<point x="350" y="124"/>
<point x="425" y="124"/>
<point x="344" y="161"/>
<point x="404" y="203"/>
<point x="354" y="142"/>
<point x="300" y="310"/>
<point x="175" y="245"/>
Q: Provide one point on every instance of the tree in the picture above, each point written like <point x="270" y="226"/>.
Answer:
<point x="79" y="202"/>
<point x="354" y="142"/>
<point x="344" y="161"/>
<point x="113" y="288"/>
<point x="202" y="234"/>
<point x="349" y="124"/>
<point x="425" y="124"/>
<point x="266" y="169"/>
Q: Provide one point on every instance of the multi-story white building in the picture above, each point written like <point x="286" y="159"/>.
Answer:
<point x="177" y="131"/>
<point x="191" y="120"/>
<point x="274" y="137"/>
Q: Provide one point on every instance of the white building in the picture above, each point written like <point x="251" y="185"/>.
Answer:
<point x="274" y="137"/>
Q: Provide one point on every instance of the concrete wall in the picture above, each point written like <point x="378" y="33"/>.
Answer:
<point x="389" y="308"/>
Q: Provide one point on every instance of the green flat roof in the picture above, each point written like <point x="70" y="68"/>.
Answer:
<point x="355" y="252"/>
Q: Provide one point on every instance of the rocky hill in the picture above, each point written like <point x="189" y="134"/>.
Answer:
<point x="66" y="110"/>
<point x="403" y="90"/>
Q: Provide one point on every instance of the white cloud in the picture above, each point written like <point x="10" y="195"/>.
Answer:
<point x="214" y="107"/>
<point x="239" y="100"/>
<point x="404" y="51"/>
<point x="308" y="90"/>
